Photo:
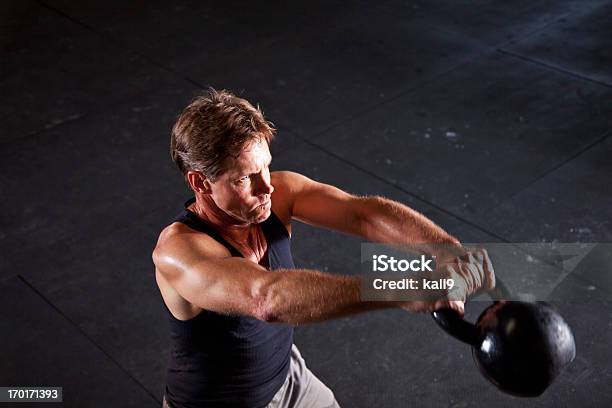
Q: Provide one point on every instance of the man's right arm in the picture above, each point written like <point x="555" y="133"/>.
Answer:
<point x="206" y="277"/>
<point x="201" y="271"/>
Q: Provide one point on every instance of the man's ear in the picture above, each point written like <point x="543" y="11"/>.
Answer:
<point x="198" y="182"/>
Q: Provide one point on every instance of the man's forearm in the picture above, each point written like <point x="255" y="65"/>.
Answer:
<point x="386" y="221"/>
<point x="297" y="296"/>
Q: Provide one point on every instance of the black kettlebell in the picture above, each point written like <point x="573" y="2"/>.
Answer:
<point x="518" y="346"/>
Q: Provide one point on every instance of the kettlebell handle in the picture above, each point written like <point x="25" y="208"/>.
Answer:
<point x="452" y="323"/>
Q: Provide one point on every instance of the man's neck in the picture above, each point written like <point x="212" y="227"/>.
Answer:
<point x="206" y="209"/>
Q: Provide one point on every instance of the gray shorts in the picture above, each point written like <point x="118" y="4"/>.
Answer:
<point x="301" y="389"/>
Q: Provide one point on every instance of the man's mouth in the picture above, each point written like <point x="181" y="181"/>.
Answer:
<point x="262" y="205"/>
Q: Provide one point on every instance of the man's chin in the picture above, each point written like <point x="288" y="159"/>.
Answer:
<point x="259" y="218"/>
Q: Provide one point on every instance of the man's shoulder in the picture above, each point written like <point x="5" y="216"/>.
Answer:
<point x="178" y="237"/>
<point x="286" y="177"/>
<point x="286" y="185"/>
<point x="175" y="230"/>
<point x="289" y="183"/>
<point x="282" y="183"/>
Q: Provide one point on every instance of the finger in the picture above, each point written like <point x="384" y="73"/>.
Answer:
<point x="490" y="272"/>
<point x="439" y="304"/>
<point x="478" y="268"/>
<point x="458" y="306"/>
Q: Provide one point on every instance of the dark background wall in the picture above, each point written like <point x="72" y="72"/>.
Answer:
<point x="493" y="118"/>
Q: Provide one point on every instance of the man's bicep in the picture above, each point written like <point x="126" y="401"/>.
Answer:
<point x="223" y="285"/>
<point x="326" y="206"/>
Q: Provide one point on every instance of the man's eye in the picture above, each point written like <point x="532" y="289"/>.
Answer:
<point x="243" y="179"/>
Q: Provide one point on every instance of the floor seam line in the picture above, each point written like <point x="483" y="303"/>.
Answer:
<point x="117" y="43"/>
<point x="395" y="96"/>
<point x="565" y="161"/>
<point x="410" y="193"/>
<point x="80" y="330"/>
<point x="552" y="67"/>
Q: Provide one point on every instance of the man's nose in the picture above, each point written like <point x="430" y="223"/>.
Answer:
<point x="263" y="186"/>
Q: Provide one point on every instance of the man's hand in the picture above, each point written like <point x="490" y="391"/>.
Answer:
<point x="471" y="271"/>
<point x="470" y="268"/>
<point x="422" y="306"/>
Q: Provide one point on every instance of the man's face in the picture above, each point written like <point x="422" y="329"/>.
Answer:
<point x="244" y="191"/>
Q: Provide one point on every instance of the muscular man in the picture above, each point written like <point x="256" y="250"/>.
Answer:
<point x="225" y="272"/>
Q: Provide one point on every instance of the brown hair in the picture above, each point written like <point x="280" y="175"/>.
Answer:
<point x="216" y="125"/>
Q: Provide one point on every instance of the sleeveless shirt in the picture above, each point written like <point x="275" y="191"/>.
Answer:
<point x="219" y="360"/>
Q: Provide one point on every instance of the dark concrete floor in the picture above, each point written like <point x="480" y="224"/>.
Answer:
<point x="491" y="117"/>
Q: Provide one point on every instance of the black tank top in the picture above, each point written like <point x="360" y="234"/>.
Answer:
<point x="229" y="361"/>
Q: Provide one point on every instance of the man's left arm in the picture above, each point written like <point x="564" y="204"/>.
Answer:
<point x="378" y="219"/>
<point x="374" y="218"/>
